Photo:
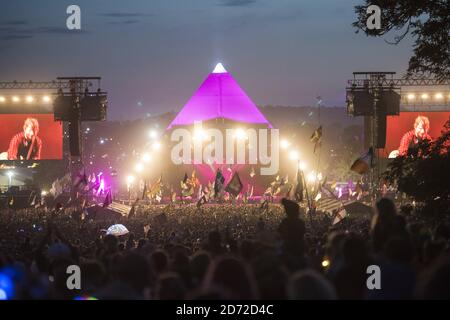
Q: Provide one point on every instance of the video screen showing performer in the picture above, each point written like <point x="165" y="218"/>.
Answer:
<point x="30" y="137"/>
<point x="412" y="138"/>
<point x="26" y="145"/>
<point x="406" y="131"/>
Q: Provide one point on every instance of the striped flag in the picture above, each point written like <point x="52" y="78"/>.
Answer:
<point x="340" y="215"/>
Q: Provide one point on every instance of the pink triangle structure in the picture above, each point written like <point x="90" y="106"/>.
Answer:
<point x="219" y="96"/>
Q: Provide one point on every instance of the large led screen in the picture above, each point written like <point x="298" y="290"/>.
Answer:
<point x="407" y="129"/>
<point x="30" y="137"/>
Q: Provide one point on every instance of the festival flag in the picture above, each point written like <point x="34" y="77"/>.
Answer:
<point x="340" y="215"/>
<point x="363" y="164"/>
<point x="156" y="188"/>
<point x="316" y="138"/>
<point x="298" y="195"/>
<point x="234" y="187"/>
<point x="33" y="203"/>
<point x="249" y="191"/>
<point x="81" y="178"/>
<point x="186" y="188"/>
<point x="201" y="201"/>
<point x="218" y="182"/>
<point x="144" y="192"/>
<point x="199" y="194"/>
<point x="174" y="197"/>
<point x="108" y="199"/>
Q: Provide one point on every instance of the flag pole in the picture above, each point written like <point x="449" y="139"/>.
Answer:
<point x="307" y="193"/>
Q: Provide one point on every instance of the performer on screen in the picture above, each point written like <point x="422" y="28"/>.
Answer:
<point x="413" y="137"/>
<point x="26" y="145"/>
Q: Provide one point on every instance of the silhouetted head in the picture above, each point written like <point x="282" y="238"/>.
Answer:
<point x="290" y="207"/>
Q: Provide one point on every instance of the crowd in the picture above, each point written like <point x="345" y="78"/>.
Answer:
<point x="223" y="252"/>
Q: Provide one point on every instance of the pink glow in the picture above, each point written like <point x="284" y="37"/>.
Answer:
<point x="219" y="96"/>
<point x="101" y="188"/>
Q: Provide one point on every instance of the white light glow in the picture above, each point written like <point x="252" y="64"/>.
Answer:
<point x="153" y="134"/>
<point x="411" y="96"/>
<point x="219" y="68"/>
<point x="2" y="99"/>
<point x="424" y="96"/>
<point x="156" y="146"/>
<point x="146" y="157"/>
<point x="311" y="176"/>
<point x="303" y="166"/>
<point x="130" y="179"/>
<point x="139" y="167"/>
<point x="46" y="99"/>
<point x="293" y="155"/>
<point x="284" y="144"/>
<point x="240" y="134"/>
<point x="438" y="96"/>
<point x="29" y="99"/>
<point x="15" y="99"/>
<point x="200" y="134"/>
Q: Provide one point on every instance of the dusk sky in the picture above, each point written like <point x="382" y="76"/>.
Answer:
<point x="154" y="54"/>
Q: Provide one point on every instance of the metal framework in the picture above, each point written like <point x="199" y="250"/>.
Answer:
<point x="386" y="79"/>
<point x="60" y="83"/>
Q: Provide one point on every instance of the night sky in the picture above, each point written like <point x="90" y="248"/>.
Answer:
<point x="154" y="54"/>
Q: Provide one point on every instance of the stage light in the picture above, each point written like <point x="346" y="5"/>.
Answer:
<point x="156" y="146"/>
<point x="153" y="134"/>
<point x="2" y="99"/>
<point x="438" y="96"/>
<point x="240" y="134"/>
<point x="319" y="176"/>
<point x="43" y="193"/>
<point x="200" y="134"/>
<point x="15" y="99"/>
<point x="138" y="167"/>
<point x="293" y="155"/>
<point x="46" y="99"/>
<point x="284" y="144"/>
<point x="325" y="263"/>
<point x="29" y="99"/>
<point x="130" y="179"/>
<point x="411" y="96"/>
<point x="424" y="96"/>
<point x="311" y="176"/>
<point x="303" y="165"/>
<point x="146" y="157"/>
<point x="10" y="174"/>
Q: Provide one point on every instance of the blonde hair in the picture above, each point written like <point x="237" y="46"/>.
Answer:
<point x="33" y="123"/>
<point x="424" y="120"/>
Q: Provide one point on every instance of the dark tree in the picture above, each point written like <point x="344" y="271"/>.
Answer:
<point x="424" y="174"/>
<point x="427" y="21"/>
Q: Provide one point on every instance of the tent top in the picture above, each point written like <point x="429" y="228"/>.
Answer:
<point x="219" y="96"/>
